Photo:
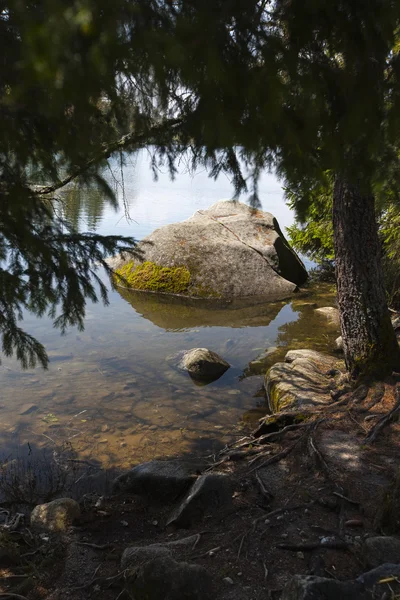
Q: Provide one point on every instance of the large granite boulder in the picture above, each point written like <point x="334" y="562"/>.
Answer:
<point x="302" y="382"/>
<point x="228" y="251"/>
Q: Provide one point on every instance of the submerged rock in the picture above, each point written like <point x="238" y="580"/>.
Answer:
<point x="301" y="382"/>
<point x="209" y="493"/>
<point x="57" y="515"/>
<point x="202" y="364"/>
<point x="227" y="251"/>
<point x="158" y="479"/>
<point x="331" y="313"/>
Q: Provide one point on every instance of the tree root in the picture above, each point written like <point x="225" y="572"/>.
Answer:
<point x="277" y="457"/>
<point x="267" y="495"/>
<point x="385" y="420"/>
<point x="329" y="472"/>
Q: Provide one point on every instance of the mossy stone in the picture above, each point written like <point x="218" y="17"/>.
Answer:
<point x="151" y="277"/>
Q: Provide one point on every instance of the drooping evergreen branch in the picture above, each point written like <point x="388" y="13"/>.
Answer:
<point x="130" y="141"/>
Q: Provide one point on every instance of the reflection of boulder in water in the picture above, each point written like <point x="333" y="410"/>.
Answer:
<point x="227" y="251"/>
<point x="174" y="312"/>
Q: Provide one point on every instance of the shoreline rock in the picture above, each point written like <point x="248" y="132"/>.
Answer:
<point x="302" y="382"/>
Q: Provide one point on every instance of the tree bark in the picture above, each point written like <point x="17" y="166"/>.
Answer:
<point x="369" y="341"/>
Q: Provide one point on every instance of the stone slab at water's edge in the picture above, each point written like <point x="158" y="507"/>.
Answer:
<point x="302" y="382"/>
<point x="227" y="251"/>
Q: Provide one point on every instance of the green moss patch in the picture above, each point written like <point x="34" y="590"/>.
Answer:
<point x="151" y="277"/>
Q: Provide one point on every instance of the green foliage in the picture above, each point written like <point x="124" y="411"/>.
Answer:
<point x="313" y="236"/>
<point x="233" y="85"/>
<point x="151" y="277"/>
<point x="312" y="233"/>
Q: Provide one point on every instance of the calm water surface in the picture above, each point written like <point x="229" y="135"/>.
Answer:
<point x="112" y="390"/>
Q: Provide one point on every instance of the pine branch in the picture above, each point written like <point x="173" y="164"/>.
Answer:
<point x="128" y="141"/>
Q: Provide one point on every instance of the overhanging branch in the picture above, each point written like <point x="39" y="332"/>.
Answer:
<point x="130" y="140"/>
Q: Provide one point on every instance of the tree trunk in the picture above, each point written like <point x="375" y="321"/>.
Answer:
<point x="369" y="341"/>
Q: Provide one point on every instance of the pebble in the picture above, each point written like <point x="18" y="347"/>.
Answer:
<point x="267" y="521"/>
<point x="124" y="523"/>
<point x="228" y="580"/>
<point x="354" y="523"/>
<point x="300" y="555"/>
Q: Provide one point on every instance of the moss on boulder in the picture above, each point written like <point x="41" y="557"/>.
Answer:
<point x="151" y="277"/>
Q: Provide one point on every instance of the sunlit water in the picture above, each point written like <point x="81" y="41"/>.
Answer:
<point x="111" y="390"/>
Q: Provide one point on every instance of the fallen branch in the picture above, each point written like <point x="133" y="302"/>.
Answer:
<point x="385" y="420"/>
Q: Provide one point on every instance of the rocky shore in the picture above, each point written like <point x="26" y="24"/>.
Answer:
<point x="305" y="507"/>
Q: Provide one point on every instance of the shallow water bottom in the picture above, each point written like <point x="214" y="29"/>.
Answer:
<point x="112" y="391"/>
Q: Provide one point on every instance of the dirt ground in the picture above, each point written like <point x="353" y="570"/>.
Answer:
<point x="305" y="498"/>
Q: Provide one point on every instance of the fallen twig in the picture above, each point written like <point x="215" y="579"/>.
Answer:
<point x="265" y="570"/>
<point x="345" y="498"/>
<point x="267" y="495"/>
<point x="197" y="541"/>
<point x="210" y="552"/>
<point x="95" y="546"/>
<point x="241" y="545"/>
<point x="10" y="595"/>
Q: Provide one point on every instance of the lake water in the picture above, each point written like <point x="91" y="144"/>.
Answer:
<point x="111" y="390"/>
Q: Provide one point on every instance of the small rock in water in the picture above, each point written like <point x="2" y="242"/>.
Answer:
<point x="124" y="523"/>
<point x="203" y="364"/>
<point x="228" y="580"/>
